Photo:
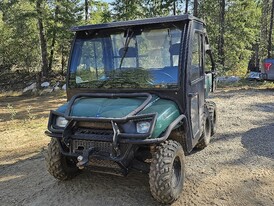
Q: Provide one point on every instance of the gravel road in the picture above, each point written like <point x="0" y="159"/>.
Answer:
<point x="237" y="168"/>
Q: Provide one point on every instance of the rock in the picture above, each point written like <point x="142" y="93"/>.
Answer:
<point x="31" y="87"/>
<point x="221" y="79"/>
<point x="229" y="79"/>
<point x="56" y="88"/>
<point x="45" y="84"/>
<point x="64" y="87"/>
<point x="233" y="79"/>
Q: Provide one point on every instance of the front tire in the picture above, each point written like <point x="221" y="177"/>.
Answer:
<point x="167" y="172"/>
<point x="58" y="165"/>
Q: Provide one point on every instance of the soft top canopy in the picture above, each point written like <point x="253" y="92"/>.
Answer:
<point x="157" y="20"/>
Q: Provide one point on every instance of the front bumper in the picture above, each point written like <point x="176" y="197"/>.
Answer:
<point x="114" y="139"/>
<point x="124" y="138"/>
<point x="108" y="150"/>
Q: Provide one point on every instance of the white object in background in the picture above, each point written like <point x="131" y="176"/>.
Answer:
<point x="64" y="87"/>
<point x="30" y="87"/>
<point x="45" y="84"/>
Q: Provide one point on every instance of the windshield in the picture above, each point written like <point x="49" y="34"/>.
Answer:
<point x="140" y="58"/>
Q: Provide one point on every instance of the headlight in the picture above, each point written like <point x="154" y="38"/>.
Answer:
<point x="142" y="127"/>
<point x="61" y="122"/>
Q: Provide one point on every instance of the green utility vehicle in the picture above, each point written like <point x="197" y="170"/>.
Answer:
<point x="136" y="95"/>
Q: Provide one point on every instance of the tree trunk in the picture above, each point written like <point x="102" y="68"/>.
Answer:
<point x="221" y="33"/>
<point x="257" y="61"/>
<point x="174" y="7"/>
<point x="195" y="8"/>
<point x="53" y="37"/>
<point x="126" y="10"/>
<point x="264" y="29"/>
<point x="269" y="47"/>
<point x="186" y="8"/>
<point x="62" y="60"/>
<point x="86" y="10"/>
<point x="43" y="40"/>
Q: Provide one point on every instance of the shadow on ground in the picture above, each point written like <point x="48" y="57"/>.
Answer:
<point x="260" y="140"/>
<point x="40" y="188"/>
<point x="264" y="107"/>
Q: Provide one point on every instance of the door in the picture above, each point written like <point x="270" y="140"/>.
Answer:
<point x="196" y="85"/>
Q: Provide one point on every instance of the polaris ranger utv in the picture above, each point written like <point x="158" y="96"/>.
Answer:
<point x="136" y="95"/>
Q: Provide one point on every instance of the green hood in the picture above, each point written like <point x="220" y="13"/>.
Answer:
<point x="105" y="107"/>
<point x="167" y="111"/>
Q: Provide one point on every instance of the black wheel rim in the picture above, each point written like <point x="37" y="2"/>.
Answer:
<point x="176" y="172"/>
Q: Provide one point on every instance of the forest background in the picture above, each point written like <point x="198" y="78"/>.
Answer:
<point x="35" y="35"/>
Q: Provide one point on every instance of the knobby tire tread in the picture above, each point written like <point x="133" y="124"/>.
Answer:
<point x="55" y="163"/>
<point x="160" y="174"/>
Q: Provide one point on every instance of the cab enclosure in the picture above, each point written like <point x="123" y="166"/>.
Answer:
<point x="136" y="94"/>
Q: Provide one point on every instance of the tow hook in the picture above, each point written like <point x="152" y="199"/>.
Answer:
<point x="115" y="148"/>
<point x="84" y="158"/>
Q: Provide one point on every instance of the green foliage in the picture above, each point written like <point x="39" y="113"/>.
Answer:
<point x="19" y="36"/>
<point x="99" y="13"/>
<point x="241" y="32"/>
<point x="246" y="24"/>
<point x="127" y="10"/>
<point x="158" y="8"/>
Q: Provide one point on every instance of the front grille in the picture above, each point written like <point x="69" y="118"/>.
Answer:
<point x="95" y="125"/>
<point x="95" y="133"/>
<point x="101" y="160"/>
<point x="101" y="148"/>
<point x="80" y="145"/>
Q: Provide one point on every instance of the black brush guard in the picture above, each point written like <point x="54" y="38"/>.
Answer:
<point x="114" y="137"/>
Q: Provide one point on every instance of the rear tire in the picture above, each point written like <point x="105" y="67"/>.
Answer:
<point x="167" y="172"/>
<point x="58" y="165"/>
<point x="206" y="135"/>
<point x="212" y="109"/>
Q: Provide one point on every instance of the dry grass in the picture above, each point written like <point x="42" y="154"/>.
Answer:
<point x="23" y="120"/>
<point x="247" y="84"/>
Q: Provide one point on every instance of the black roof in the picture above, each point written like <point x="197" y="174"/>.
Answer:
<point x="156" y="20"/>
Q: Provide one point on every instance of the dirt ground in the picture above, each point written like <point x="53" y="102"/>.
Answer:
<point x="237" y="168"/>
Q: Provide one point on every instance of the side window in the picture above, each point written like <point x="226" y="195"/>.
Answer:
<point x="196" y="63"/>
<point x="92" y="55"/>
<point x="90" y="65"/>
<point x="208" y="63"/>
